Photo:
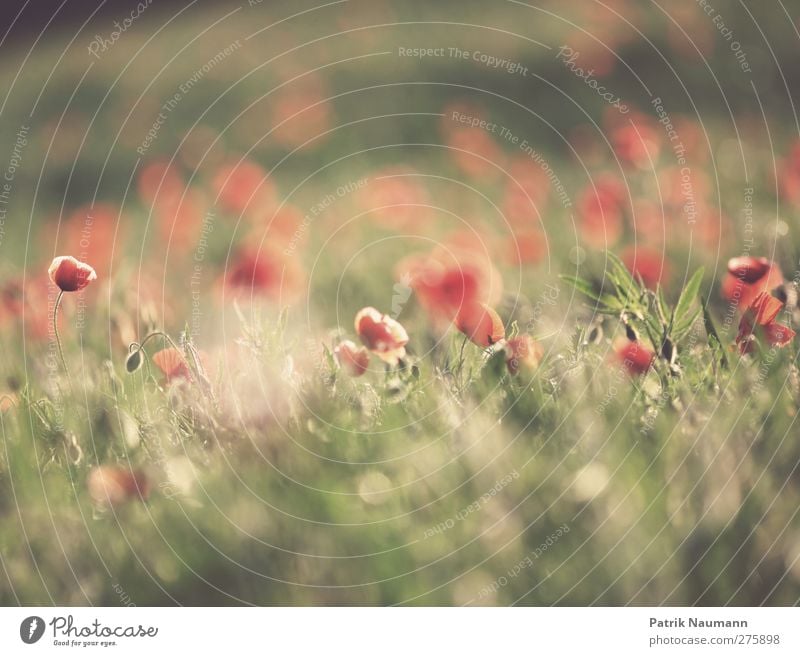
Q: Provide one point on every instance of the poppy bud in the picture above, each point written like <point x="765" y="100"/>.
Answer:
<point x="134" y="361"/>
<point x="69" y="274"/>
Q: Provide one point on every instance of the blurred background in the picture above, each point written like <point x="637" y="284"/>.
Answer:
<point x="246" y="176"/>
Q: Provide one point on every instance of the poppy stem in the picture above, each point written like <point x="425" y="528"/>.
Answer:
<point x="158" y="333"/>
<point x="460" y="365"/>
<point x="55" y="330"/>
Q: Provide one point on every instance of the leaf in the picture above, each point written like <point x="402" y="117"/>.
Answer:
<point x="713" y="337"/>
<point x="581" y="285"/>
<point x="681" y="316"/>
<point x="661" y="305"/>
<point x="680" y="330"/>
<point x="623" y="280"/>
<point x="605" y="303"/>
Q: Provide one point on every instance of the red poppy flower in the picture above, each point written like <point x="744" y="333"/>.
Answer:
<point x="353" y="359"/>
<point x="173" y="364"/>
<point x="646" y="263"/>
<point x="522" y="352"/>
<point x="760" y="318"/>
<point x="451" y="277"/>
<point x="110" y="485"/>
<point x="635" y="357"/>
<point x="381" y="334"/>
<point x="69" y="274"/>
<point x="443" y="290"/>
<point x="481" y="324"/>
<point x="748" y="277"/>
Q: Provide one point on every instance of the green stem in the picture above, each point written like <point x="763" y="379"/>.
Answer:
<point x="461" y="362"/>
<point x="55" y="330"/>
<point x="158" y="333"/>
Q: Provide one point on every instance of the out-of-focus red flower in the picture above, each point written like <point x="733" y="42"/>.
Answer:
<point x="636" y="140"/>
<point x="759" y="319"/>
<point x="523" y="352"/>
<point x="528" y="247"/>
<point x="266" y="273"/>
<point x="243" y="187"/>
<point x="69" y="274"/>
<point x="381" y="334"/>
<point x="174" y="366"/>
<point x="749" y="276"/>
<point x="481" y="324"/>
<point x="451" y="277"/>
<point x="635" y="357"/>
<point x="600" y="211"/>
<point x="647" y="263"/>
<point x="443" y="290"/>
<point x="353" y="359"/>
<point x="111" y="485"/>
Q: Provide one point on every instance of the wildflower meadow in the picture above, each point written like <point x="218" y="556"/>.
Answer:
<point x="400" y="303"/>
